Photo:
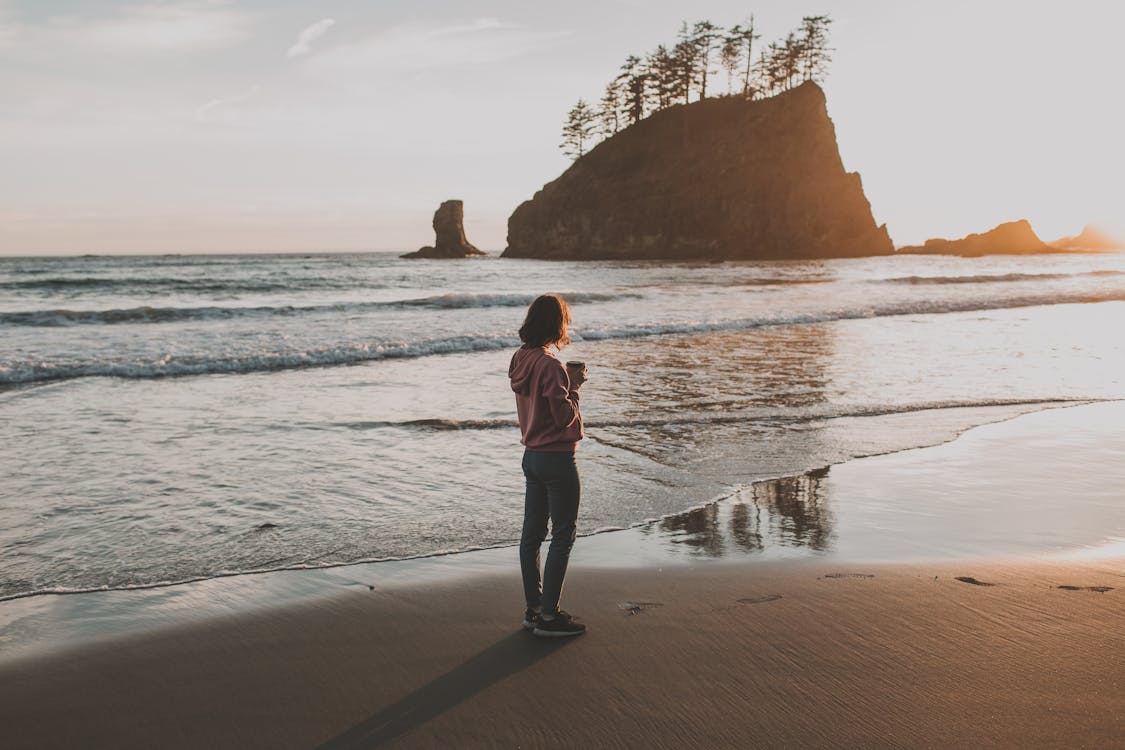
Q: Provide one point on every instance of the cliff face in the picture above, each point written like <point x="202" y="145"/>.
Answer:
<point x="715" y="179"/>
<point x="1012" y="238"/>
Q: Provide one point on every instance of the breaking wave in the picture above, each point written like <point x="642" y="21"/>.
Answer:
<point x="787" y="415"/>
<point x="148" y="314"/>
<point x="994" y="278"/>
<point x="147" y="285"/>
<point x="169" y="366"/>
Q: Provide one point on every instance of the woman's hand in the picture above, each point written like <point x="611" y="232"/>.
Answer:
<point x="577" y="375"/>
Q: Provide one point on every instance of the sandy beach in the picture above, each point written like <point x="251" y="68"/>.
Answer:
<point x="775" y="655"/>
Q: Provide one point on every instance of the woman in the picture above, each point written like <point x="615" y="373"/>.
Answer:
<point x="551" y="426"/>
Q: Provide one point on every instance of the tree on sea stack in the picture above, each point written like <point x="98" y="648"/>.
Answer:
<point x="662" y="91"/>
<point x="781" y="64"/>
<point x="704" y="36"/>
<point x="814" y="47"/>
<point x="668" y="76"/>
<point x="611" y="111"/>
<point x="792" y="54"/>
<point x="738" y="46"/>
<point x="633" y="82"/>
<point x="685" y="63"/>
<point x="581" y="125"/>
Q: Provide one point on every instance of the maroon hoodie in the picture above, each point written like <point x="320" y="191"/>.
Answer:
<point x="546" y="401"/>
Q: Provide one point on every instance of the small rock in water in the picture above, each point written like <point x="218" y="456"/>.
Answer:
<point x="449" y="231"/>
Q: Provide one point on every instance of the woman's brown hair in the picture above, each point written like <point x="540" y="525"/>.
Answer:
<point x="546" y="322"/>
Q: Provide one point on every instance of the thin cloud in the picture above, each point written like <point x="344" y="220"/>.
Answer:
<point x="303" y="45"/>
<point x="8" y="29"/>
<point x="172" y="27"/>
<point x="480" y="24"/>
<point x="415" y="47"/>
<point x="151" y="27"/>
<point x="204" y="114"/>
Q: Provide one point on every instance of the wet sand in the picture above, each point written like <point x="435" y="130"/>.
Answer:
<point x="809" y="654"/>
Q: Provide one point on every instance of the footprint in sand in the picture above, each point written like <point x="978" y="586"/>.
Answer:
<point x="759" y="599"/>
<point x="849" y="575"/>
<point x="635" y="608"/>
<point x="1099" y="589"/>
<point x="974" y="581"/>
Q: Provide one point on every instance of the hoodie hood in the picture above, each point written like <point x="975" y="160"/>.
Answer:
<point x="522" y="366"/>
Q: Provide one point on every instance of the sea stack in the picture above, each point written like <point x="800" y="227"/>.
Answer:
<point x="1011" y="238"/>
<point x="449" y="231"/>
<point x="720" y="178"/>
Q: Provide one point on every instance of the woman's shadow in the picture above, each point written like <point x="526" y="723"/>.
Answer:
<point x="504" y="658"/>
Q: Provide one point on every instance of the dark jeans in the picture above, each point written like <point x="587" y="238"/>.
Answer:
<point x="553" y="489"/>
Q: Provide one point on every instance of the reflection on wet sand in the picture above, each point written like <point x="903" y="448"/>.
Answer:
<point x="786" y="512"/>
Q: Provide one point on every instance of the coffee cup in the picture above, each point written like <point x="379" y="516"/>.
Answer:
<point x="577" y="370"/>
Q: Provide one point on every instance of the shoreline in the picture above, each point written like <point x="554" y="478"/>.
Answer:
<point x="1025" y="407"/>
<point x="39" y="623"/>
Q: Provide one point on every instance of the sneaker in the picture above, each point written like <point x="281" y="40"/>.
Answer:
<point x="530" y="619"/>
<point x="561" y="626"/>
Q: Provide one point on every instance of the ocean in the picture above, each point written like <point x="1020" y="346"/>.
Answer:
<point x="176" y="418"/>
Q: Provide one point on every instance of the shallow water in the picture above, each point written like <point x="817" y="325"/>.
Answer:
<point x="174" y="418"/>
<point x="960" y="500"/>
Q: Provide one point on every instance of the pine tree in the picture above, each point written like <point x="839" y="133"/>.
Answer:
<point x="611" y="110"/>
<point x="662" y="71"/>
<point x="581" y="124"/>
<point x="704" y="36"/>
<point x="633" y="83"/>
<point x="748" y="37"/>
<point x="684" y="64"/>
<point x="792" y="54"/>
<point x="771" y="68"/>
<point x="730" y="55"/>
<point x="814" y="45"/>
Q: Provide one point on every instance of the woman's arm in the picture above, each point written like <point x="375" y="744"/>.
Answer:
<point x="561" y="395"/>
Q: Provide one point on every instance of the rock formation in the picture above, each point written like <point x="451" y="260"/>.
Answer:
<point x="1012" y="238"/>
<point x="449" y="228"/>
<point x="719" y="178"/>
<point x="1091" y="239"/>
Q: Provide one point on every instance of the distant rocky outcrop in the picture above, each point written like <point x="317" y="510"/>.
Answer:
<point x="720" y="178"/>
<point x="1091" y="239"/>
<point x="449" y="228"/>
<point x="1012" y="238"/>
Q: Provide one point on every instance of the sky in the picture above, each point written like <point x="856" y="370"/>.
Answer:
<point x="280" y="125"/>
